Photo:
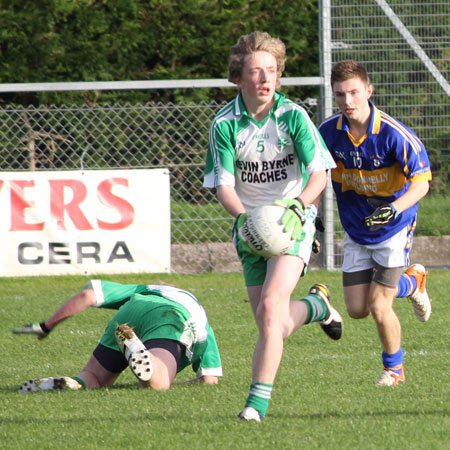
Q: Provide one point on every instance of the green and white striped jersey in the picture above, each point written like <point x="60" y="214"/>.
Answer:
<point x="161" y="312"/>
<point x="267" y="160"/>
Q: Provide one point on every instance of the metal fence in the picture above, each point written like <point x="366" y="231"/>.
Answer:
<point x="403" y="45"/>
<point x="100" y="136"/>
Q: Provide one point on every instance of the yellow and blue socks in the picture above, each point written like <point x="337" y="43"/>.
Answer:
<point x="406" y="286"/>
<point x="259" y="396"/>
<point x="393" y="361"/>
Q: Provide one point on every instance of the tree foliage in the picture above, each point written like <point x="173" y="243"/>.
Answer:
<point x="114" y="40"/>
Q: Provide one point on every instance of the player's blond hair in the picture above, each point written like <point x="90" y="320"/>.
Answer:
<point x="251" y="43"/>
<point x="347" y="69"/>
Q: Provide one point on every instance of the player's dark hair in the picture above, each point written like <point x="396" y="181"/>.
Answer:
<point x="344" y="70"/>
<point x="251" y="43"/>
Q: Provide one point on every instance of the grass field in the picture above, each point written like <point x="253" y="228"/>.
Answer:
<point x="325" y="394"/>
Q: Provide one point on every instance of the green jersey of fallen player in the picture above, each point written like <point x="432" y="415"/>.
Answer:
<point x="161" y="312"/>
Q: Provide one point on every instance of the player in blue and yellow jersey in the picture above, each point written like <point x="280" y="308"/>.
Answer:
<point x="157" y="331"/>
<point x="264" y="148"/>
<point x="382" y="172"/>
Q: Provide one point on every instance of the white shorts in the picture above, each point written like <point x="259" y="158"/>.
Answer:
<point x="393" y="252"/>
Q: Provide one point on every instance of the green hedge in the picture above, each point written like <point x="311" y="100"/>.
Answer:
<point x="97" y="40"/>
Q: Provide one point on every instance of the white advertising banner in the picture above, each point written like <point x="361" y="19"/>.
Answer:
<point x="84" y="222"/>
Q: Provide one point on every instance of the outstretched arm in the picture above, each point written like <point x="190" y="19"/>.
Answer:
<point x="77" y="303"/>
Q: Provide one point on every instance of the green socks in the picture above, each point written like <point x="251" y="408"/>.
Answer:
<point x="316" y="308"/>
<point x="259" y="397"/>
<point x="79" y="380"/>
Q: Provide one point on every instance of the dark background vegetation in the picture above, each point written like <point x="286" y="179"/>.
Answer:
<point x="121" y="40"/>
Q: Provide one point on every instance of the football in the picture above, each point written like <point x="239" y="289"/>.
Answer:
<point x="264" y="233"/>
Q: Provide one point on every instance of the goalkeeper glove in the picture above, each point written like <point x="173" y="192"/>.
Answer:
<point x="384" y="214"/>
<point x="294" y="217"/>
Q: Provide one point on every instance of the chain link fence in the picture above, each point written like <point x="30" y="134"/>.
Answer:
<point x="404" y="45"/>
<point x="173" y="136"/>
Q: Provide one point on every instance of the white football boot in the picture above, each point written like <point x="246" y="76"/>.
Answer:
<point x="250" y="414"/>
<point x="50" y="384"/>
<point x="390" y="378"/>
<point x="419" y="298"/>
<point x="135" y="353"/>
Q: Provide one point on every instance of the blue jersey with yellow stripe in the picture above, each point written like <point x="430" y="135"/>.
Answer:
<point x="382" y="164"/>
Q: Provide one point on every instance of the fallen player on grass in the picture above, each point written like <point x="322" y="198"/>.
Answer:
<point x="157" y="331"/>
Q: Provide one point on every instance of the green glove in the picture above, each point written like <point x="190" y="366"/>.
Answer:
<point x="294" y="217"/>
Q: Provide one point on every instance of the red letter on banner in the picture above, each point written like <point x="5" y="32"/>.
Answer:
<point x="124" y="208"/>
<point x="19" y="205"/>
<point x="57" y="205"/>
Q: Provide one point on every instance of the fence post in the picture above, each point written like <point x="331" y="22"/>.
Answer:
<point x="326" y="111"/>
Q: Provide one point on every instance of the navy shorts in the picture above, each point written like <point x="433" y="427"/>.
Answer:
<point x="115" y="362"/>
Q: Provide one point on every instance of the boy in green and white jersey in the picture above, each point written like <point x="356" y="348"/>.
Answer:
<point x="268" y="160"/>
<point x="166" y="330"/>
<point x="264" y="148"/>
